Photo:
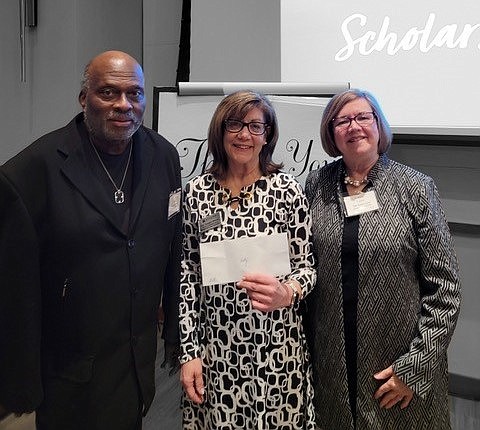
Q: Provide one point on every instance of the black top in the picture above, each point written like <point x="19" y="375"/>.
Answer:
<point x="116" y="165"/>
<point x="350" y="298"/>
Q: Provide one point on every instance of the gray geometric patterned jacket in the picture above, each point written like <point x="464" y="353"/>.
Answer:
<point x="408" y="299"/>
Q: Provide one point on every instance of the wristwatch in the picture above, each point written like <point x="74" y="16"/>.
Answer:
<point x="295" y="297"/>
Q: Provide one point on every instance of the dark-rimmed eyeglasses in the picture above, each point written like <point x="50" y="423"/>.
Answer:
<point x="362" y="119"/>
<point x="254" y="127"/>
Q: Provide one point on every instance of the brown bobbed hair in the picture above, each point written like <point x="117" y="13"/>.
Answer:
<point x="336" y="104"/>
<point x="236" y="106"/>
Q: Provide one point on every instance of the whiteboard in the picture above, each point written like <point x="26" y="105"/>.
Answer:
<point x="184" y="119"/>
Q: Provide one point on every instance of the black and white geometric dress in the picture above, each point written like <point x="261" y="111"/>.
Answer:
<point x="255" y="365"/>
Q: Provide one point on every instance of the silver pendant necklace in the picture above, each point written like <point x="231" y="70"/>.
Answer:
<point x="118" y="195"/>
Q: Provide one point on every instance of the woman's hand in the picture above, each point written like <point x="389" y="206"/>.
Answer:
<point x="192" y="380"/>
<point x="393" y="391"/>
<point x="265" y="291"/>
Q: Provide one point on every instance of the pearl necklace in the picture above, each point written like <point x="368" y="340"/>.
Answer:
<point x="355" y="182"/>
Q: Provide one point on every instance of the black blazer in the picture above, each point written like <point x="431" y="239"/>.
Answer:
<point x="100" y="288"/>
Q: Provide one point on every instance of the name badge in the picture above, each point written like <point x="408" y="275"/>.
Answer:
<point x="211" y="221"/>
<point x="174" y="202"/>
<point x="360" y="203"/>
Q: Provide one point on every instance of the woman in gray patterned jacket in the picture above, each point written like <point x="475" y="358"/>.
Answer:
<point x="387" y="297"/>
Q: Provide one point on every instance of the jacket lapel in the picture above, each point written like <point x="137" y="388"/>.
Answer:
<point x="76" y="168"/>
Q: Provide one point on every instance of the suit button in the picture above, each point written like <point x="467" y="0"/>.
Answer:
<point x="131" y="243"/>
<point x="134" y="340"/>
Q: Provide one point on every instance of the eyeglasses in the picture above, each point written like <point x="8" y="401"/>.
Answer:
<point x="254" y="127"/>
<point x="362" y="119"/>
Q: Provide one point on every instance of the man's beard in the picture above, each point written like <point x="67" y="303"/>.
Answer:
<point x="99" y="127"/>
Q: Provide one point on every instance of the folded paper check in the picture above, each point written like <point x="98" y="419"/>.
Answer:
<point x="226" y="261"/>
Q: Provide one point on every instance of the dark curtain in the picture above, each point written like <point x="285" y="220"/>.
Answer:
<point x="183" y="69"/>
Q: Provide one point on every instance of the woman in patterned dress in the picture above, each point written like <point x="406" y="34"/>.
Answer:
<point x="243" y="349"/>
<point x="388" y="294"/>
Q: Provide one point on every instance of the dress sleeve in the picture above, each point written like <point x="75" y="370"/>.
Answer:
<point x="439" y="295"/>
<point x="300" y="239"/>
<point x="190" y="285"/>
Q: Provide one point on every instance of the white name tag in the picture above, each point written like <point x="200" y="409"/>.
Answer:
<point x="174" y="203"/>
<point x="209" y="222"/>
<point x="360" y="203"/>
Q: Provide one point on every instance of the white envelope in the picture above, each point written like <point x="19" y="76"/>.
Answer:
<point x="226" y="261"/>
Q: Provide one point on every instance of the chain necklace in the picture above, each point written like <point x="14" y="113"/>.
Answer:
<point x="118" y="195"/>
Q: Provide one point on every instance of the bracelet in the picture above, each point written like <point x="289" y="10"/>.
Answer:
<point x="295" y="296"/>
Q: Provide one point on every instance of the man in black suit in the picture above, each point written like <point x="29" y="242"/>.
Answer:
<point x="90" y="246"/>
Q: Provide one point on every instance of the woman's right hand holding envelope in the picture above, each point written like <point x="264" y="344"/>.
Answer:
<point x="266" y="292"/>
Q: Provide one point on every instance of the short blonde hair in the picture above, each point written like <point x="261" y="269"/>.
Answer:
<point x="336" y="104"/>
